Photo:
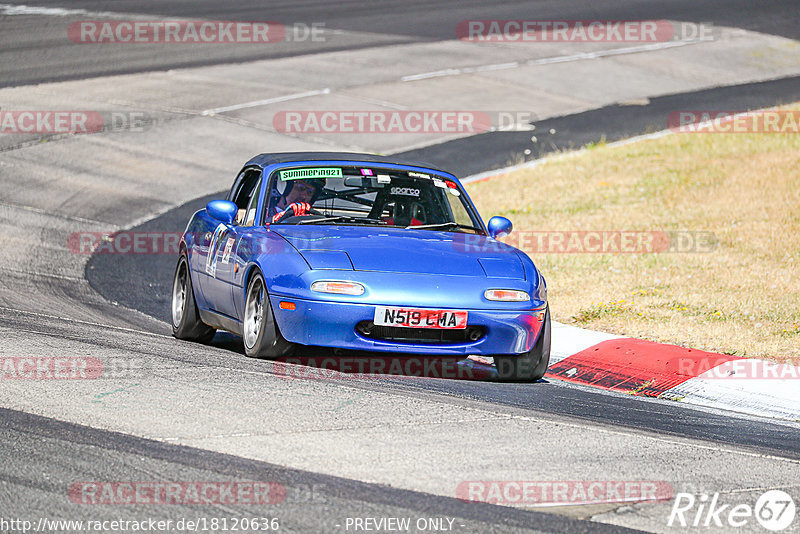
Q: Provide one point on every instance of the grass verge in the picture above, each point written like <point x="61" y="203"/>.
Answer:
<point x="736" y="195"/>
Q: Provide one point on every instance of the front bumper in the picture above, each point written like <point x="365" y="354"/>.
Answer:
<point x="333" y="324"/>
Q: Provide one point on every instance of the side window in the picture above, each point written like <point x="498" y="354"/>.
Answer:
<point x="274" y="191"/>
<point x="252" y="206"/>
<point x="237" y="186"/>
<point x="243" y="193"/>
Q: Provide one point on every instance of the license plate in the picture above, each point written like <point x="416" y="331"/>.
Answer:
<point x="420" y="318"/>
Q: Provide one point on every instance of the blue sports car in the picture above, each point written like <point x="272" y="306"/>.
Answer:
<point x="361" y="252"/>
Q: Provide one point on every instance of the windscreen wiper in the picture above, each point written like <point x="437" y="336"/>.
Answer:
<point x="450" y="224"/>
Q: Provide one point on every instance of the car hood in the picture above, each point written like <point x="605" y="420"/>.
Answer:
<point x="403" y="251"/>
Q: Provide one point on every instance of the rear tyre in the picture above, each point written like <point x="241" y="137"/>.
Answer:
<point x="260" y="334"/>
<point x="186" y="323"/>
<point x="529" y="366"/>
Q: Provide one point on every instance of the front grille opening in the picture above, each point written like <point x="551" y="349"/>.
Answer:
<point x="433" y="336"/>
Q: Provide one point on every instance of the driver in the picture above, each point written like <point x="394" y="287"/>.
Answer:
<point x="297" y="198"/>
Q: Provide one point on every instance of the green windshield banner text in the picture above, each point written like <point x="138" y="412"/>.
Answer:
<point x="314" y="172"/>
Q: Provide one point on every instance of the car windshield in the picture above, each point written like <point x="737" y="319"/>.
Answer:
<point x="371" y="196"/>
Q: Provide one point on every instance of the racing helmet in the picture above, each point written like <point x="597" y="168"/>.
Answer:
<point x="318" y="184"/>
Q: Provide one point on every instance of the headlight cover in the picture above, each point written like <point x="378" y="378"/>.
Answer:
<point x="506" y="295"/>
<point x="338" y="287"/>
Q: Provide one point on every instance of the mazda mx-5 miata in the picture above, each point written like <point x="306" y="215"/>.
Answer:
<point x="360" y="252"/>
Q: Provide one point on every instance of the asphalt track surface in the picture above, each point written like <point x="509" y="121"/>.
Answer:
<point x="144" y="282"/>
<point x="309" y="497"/>
<point x="34" y="445"/>
<point x="33" y="52"/>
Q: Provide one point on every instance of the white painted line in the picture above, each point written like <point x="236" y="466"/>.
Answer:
<point x="434" y="74"/>
<point x="21" y="9"/>
<point x="614" y="52"/>
<point x="266" y="102"/>
<point x="498" y="66"/>
<point x="456" y="72"/>
<point x="10" y="9"/>
<point x="550" y="60"/>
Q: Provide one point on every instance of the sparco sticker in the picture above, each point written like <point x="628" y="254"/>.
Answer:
<point x="407" y="191"/>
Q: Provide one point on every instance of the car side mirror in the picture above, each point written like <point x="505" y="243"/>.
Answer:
<point x="222" y="210"/>
<point x="499" y="227"/>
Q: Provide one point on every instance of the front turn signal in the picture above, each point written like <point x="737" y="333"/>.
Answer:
<point x="337" y="287"/>
<point x="506" y="295"/>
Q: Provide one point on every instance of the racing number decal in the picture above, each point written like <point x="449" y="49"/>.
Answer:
<point x="226" y="254"/>
<point x="211" y="260"/>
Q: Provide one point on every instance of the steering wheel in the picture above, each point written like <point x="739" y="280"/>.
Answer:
<point x="296" y="209"/>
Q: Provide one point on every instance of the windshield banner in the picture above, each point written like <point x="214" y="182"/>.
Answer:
<point x="314" y="172"/>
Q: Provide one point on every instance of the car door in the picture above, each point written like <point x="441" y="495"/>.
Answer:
<point x="227" y="245"/>
<point x="214" y="265"/>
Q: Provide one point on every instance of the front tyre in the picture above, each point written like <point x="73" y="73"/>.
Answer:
<point x="260" y="334"/>
<point x="186" y="323"/>
<point x="529" y="366"/>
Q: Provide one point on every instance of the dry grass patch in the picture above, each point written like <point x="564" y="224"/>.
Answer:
<point x="741" y="298"/>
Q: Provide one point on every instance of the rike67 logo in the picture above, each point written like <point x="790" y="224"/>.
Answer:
<point x="774" y="510"/>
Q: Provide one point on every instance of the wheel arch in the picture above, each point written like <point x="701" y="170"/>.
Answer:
<point x="251" y="270"/>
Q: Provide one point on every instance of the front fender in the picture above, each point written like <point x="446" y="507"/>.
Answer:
<point x="279" y="262"/>
<point x="538" y="284"/>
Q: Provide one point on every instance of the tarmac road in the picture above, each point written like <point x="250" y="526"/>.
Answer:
<point x="379" y="447"/>
<point x="144" y="283"/>
<point x="34" y="48"/>
<point x="302" y="502"/>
